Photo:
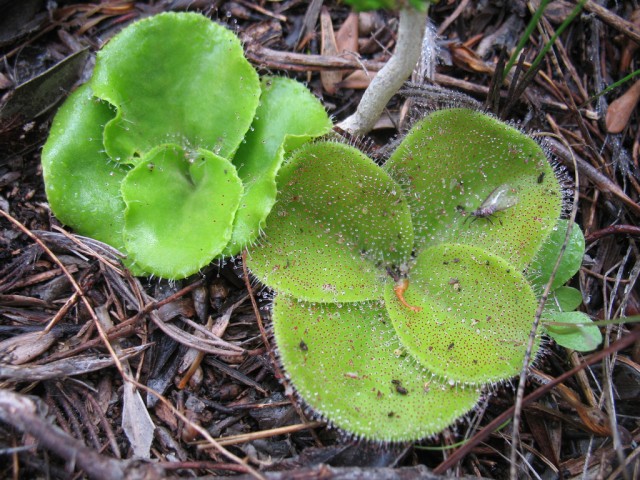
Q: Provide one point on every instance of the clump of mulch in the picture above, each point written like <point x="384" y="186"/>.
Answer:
<point x="74" y="324"/>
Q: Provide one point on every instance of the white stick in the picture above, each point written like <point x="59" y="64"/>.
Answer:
<point x="389" y="80"/>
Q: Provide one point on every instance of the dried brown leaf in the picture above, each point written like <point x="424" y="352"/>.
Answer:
<point x="358" y="80"/>
<point x="540" y="432"/>
<point x="166" y="416"/>
<point x="594" y="419"/>
<point x="329" y="48"/>
<point x="347" y="36"/>
<point x="67" y="367"/>
<point x="39" y="94"/>
<point x="556" y="11"/>
<point x="465" y="58"/>
<point x="630" y="47"/>
<point x="136" y="422"/>
<point x="621" y="108"/>
<point x="369" y="22"/>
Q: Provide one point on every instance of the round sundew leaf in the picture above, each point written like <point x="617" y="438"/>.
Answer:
<point x="540" y="269"/>
<point x="339" y="222"/>
<point x="288" y="116"/>
<point x="175" y="78"/>
<point x="346" y="363"/>
<point x="582" y="335"/>
<point x="563" y="299"/>
<point x="456" y="161"/>
<point x="476" y="315"/>
<point x="82" y="183"/>
<point x="180" y="209"/>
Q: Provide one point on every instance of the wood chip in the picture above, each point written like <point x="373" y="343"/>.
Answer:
<point x="23" y="348"/>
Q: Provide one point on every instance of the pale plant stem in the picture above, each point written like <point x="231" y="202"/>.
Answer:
<point x="391" y="77"/>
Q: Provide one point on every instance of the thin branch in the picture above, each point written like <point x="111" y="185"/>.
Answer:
<point x="22" y="413"/>
<point x="632" y="337"/>
<point x="389" y="80"/>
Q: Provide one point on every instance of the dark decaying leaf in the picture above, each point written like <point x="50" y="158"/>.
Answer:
<point x="43" y="92"/>
<point x="17" y="19"/>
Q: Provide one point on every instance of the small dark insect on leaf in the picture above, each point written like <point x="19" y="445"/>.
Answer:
<point x="541" y="177"/>
<point x="399" y="388"/>
<point x="500" y="198"/>
<point x="303" y="346"/>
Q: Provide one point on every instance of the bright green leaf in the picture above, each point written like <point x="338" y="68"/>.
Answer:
<point x="180" y="209"/>
<point x="175" y="78"/>
<point x="581" y="335"/>
<point x="542" y="265"/>
<point x="340" y="221"/>
<point x="482" y="198"/>
<point x="347" y="364"/>
<point x="288" y="116"/>
<point x="456" y="161"/>
<point x="82" y="183"/>
<point x="477" y="312"/>
<point x="564" y="299"/>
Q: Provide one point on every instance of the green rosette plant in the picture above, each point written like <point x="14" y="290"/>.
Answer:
<point x="402" y="290"/>
<point x="170" y="152"/>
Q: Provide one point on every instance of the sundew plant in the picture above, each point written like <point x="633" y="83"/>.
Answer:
<point x="169" y="153"/>
<point x="401" y="290"/>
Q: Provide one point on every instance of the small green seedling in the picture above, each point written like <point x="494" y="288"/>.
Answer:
<point x="403" y="290"/>
<point x="170" y="152"/>
<point x="568" y="328"/>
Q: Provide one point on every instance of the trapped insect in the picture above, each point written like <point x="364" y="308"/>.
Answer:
<point x="500" y="198"/>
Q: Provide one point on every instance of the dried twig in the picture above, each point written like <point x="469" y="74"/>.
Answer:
<point x="482" y="435"/>
<point x="623" y="26"/>
<point x="69" y="367"/>
<point x="248" y="437"/>
<point x="536" y="322"/>
<point x="22" y="413"/>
